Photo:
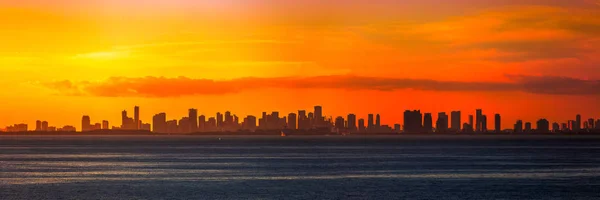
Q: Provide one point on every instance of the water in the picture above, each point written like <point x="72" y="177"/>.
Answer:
<point x="402" y="167"/>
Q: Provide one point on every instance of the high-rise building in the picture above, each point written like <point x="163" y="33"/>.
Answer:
<point x="478" y="119"/>
<point x="377" y="121"/>
<point x="528" y="127"/>
<point x="413" y="121"/>
<point x="318" y="116"/>
<point x="518" y="126"/>
<point x="397" y="128"/>
<point x="484" y="123"/>
<point x="193" y="120"/>
<point x="555" y="127"/>
<point x="303" y="123"/>
<point x="136" y="118"/>
<point x="564" y="127"/>
<point x="202" y="123"/>
<point x="292" y="121"/>
<point x="184" y="125"/>
<point x="577" y="127"/>
<point x="427" y="123"/>
<point x="543" y="126"/>
<point x="250" y="123"/>
<point x="159" y="122"/>
<point x="471" y="121"/>
<point x="456" y="120"/>
<point x="591" y="123"/>
<point x="86" y="123"/>
<point x="38" y="125"/>
<point x="370" y="123"/>
<point x="45" y="126"/>
<point x="105" y="125"/>
<point x="361" y="125"/>
<point x="352" y="122"/>
<point x="219" y="121"/>
<point x="442" y="123"/>
<point x="497" y="123"/>
<point x="339" y="123"/>
<point x="172" y="126"/>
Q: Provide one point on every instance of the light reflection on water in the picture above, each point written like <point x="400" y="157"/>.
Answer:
<point x="300" y="169"/>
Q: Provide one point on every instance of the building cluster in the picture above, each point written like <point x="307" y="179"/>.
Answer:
<point x="414" y="122"/>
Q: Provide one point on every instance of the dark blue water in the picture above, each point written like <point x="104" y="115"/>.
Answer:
<point x="179" y="167"/>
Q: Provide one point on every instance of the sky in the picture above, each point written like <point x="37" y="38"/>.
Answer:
<point x="525" y="59"/>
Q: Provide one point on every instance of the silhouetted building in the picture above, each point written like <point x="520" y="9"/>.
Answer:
<point x="467" y="128"/>
<point x="397" y="128"/>
<point x="184" y="125"/>
<point x="471" y="122"/>
<point x="528" y="127"/>
<point x="543" y="126"/>
<point x="202" y="123"/>
<point x="577" y="127"/>
<point x="370" y="122"/>
<point x="339" y="123"/>
<point x="377" y="121"/>
<point x="497" y="123"/>
<point x="86" y="123"/>
<point x="68" y="129"/>
<point x="484" y="123"/>
<point x="303" y="123"/>
<point x="45" y="126"/>
<point x="291" y="121"/>
<point x="591" y="123"/>
<point x="456" y="121"/>
<point x="565" y="127"/>
<point x="318" y="117"/>
<point x="219" y="121"/>
<point x="250" y="123"/>
<point x="136" y="117"/>
<point x="555" y="127"/>
<point x="105" y="125"/>
<point x="427" y="123"/>
<point x="160" y="123"/>
<point x="413" y="121"/>
<point x="193" y="117"/>
<point x="361" y="125"/>
<point x="518" y="127"/>
<point x="352" y="122"/>
<point x="478" y="120"/>
<point x="597" y="125"/>
<point x="442" y="123"/>
<point x="38" y="125"/>
<point x="172" y="126"/>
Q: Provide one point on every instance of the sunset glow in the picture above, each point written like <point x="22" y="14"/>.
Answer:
<point x="526" y="59"/>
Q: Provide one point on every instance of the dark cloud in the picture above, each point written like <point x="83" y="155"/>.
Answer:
<point x="182" y="86"/>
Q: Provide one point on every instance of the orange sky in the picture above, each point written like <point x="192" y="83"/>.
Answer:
<point x="529" y="59"/>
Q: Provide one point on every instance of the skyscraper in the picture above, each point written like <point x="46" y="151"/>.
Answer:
<point x="442" y="123"/>
<point x="497" y="123"/>
<point x="555" y="127"/>
<point x="202" y="123"/>
<point x="291" y="121"/>
<point x="518" y="126"/>
<point x="302" y="120"/>
<point x="484" y="123"/>
<point x="318" y="121"/>
<point x="136" y="118"/>
<point x="38" y="125"/>
<point x="377" y="121"/>
<point x="592" y="124"/>
<point x="471" y="121"/>
<point x="543" y="126"/>
<point x="479" y="114"/>
<point x="193" y="120"/>
<point x="105" y="125"/>
<point x="361" y="125"/>
<point x="339" y="123"/>
<point x="370" y="123"/>
<point x="219" y="121"/>
<point x="86" y="123"/>
<point x="528" y="127"/>
<point x="352" y="122"/>
<point x="124" y="119"/>
<point x="577" y="127"/>
<point x="159" y="122"/>
<point x="45" y="126"/>
<point x="413" y="121"/>
<point x="427" y="123"/>
<point x="456" y="120"/>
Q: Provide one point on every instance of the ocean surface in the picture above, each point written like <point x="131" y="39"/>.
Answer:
<point x="384" y="167"/>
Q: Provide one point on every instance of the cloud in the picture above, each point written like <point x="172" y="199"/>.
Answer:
<point x="157" y="87"/>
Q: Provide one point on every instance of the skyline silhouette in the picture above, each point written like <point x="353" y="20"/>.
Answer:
<point x="414" y="122"/>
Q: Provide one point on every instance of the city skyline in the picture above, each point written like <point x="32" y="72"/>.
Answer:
<point x="525" y="59"/>
<point x="415" y="121"/>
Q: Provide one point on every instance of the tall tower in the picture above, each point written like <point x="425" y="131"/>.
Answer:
<point x="456" y="120"/>
<point x="352" y="122"/>
<point x="319" y="116"/>
<point x="428" y="123"/>
<point x="377" y="121"/>
<point x="136" y="117"/>
<point x="292" y="121"/>
<point x="370" y="123"/>
<point x="86" y="123"/>
<point x="193" y="120"/>
<point x="124" y="120"/>
<point x="497" y="123"/>
<point x="478" y="120"/>
<point x="577" y="127"/>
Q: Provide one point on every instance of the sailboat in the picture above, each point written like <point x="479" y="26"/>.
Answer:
<point x="285" y="132"/>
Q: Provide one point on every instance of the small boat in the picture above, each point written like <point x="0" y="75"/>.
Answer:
<point x="285" y="132"/>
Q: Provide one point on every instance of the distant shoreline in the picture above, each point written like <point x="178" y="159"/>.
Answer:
<point x="273" y="133"/>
